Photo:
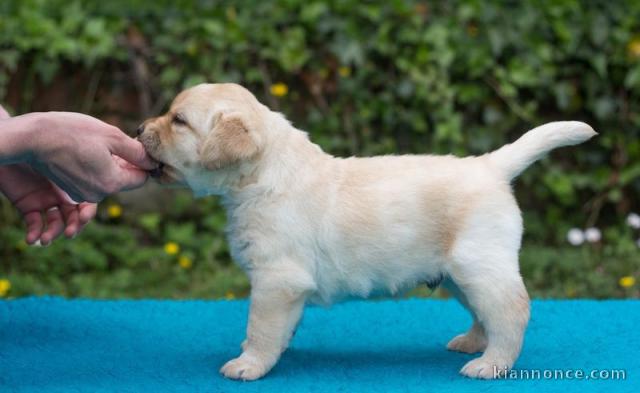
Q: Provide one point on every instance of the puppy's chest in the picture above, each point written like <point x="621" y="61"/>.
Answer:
<point x="257" y="238"/>
<point x="244" y="244"/>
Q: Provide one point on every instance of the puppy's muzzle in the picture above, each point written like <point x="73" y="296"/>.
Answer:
<point x="157" y="171"/>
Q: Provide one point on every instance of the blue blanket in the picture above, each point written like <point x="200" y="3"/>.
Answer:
<point x="52" y="344"/>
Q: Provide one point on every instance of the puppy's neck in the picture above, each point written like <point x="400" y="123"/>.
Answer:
<point x="288" y="161"/>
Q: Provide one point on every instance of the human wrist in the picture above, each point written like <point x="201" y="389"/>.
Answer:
<point x="20" y="138"/>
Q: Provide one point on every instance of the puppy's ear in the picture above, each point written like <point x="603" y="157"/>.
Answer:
<point x="230" y="141"/>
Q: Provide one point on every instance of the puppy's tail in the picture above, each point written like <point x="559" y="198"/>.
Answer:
<point x="515" y="157"/>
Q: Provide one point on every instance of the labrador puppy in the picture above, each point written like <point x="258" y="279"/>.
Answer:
<point x="309" y="227"/>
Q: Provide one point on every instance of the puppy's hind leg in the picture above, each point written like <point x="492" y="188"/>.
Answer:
<point x="484" y="267"/>
<point x="475" y="340"/>
<point x="277" y="300"/>
<point x="496" y="294"/>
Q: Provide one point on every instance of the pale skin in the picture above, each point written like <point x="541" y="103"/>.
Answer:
<point x="55" y="167"/>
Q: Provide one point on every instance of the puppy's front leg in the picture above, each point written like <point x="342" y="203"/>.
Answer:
<point x="276" y="305"/>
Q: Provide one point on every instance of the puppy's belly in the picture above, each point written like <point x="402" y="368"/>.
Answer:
<point x="373" y="273"/>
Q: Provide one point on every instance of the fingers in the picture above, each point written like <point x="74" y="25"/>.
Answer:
<point x="72" y="220"/>
<point x="132" y="151"/>
<point x="77" y="217"/>
<point x="134" y="179"/>
<point x="55" y="226"/>
<point x="34" y="226"/>
<point x="86" y="212"/>
<point x="129" y="177"/>
<point x="61" y="215"/>
<point x="68" y="218"/>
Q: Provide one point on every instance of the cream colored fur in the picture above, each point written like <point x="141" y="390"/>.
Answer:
<point x="309" y="227"/>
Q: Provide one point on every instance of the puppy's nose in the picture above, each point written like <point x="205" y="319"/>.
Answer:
<point x="140" y="130"/>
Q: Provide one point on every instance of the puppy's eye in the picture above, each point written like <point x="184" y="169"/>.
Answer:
<point x="178" y="119"/>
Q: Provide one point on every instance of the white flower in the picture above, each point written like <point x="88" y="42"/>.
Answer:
<point x="592" y="235"/>
<point x="575" y="237"/>
<point x="633" y="220"/>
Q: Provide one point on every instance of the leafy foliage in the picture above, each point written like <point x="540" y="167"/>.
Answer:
<point x="364" y="78"/>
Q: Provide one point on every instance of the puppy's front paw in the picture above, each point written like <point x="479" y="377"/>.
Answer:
<point x="244" y="367"/>
<point x="467" y="343"/>
<point x="484" y="368"/>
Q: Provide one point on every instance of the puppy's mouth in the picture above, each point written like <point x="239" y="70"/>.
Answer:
<point x="157" y="171"/>
<point x="165" y="174"/>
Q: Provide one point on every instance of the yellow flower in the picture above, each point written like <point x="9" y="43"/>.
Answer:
<point x="344" y="71"/>
<point x="21" y="245"/>
<point x="185" y="262"/>
<point x="633" y="48"/>
<point x="229" y="296"/>
<point x="5" y="286"/>
<point x="172" y="248"/>
<point x="279" y="89"/>
<point x="627" y="281"/>
<point x="114" y="210"/>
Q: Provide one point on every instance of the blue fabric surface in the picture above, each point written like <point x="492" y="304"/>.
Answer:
<point x="51" y="344"/>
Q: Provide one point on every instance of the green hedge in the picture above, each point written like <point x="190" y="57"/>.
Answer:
<point x="373" y="78"/>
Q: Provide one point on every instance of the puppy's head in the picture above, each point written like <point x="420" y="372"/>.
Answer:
<point x="208" y="134"/>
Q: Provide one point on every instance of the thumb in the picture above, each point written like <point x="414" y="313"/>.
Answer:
<point x="132" y="151"/>
<point x="131" y="178"/>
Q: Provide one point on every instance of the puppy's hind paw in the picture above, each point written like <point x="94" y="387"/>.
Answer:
<point x="244" y="367"/>
<point x="467" y="343"/>
<point x="483" y="368"/>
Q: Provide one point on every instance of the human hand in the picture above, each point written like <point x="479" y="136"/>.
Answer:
<point x="32" y="194"/>
<point x="85" y="157"/>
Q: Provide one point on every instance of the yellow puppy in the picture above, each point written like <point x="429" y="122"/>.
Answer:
<point x="306" y="226"/>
